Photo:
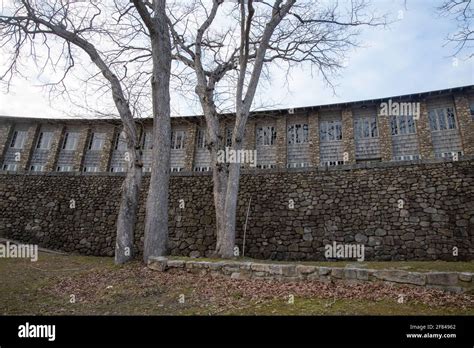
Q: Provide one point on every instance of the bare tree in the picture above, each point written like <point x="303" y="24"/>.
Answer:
<point x="257" y="34"/>
<point x="462" y="11"/>
<point x="53" y="31"/>
<point x="156" y="222"/>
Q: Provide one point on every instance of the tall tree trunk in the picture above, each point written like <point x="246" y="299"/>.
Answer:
<point x="219" y="177"/>
<point x="227" y="232"/>
<point x="128" y="209"/>
<point x="156" y="220"/>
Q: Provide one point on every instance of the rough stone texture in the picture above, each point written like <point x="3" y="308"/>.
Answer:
<point x="189" y="146"/>
<point x="106" y="152"/>
<point x="54" y="150"/>
<point x="424" y="133"/>
<point x="401" y="277"/>
<point x="352" y="204"/>
<point x="447" y="281"/>
<point x="281" y="142"/>
<point x="348" y="135"/>
<point x="385" y="137"/>
<point x="442" y="278"/>
<point x="28" y="147"/>
<point x="84" y="133"/>
<point x="313" y="124"/>
<point x="466" y="123"/>
<point x="5" y="133"/>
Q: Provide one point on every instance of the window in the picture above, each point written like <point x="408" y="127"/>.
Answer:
<point x="471" y="107"/>
<point x="298" y="165"/>
<point x="202" y="169"/>
<point x="450" y="155"/>
<point x="91" y="169"/>
<point x="18" y="139"/>
<point x="176" y="169"/>
<point x="297" y="134"/>
<point x="120" y="142"/>
<point x="64" y="169"/>
<point x="177" y="140"/>
<point x="330" y="130"/>
<point x="147" y="141"/>
<point x="44" y="140"/>
<point x="10" y="166"/>
<point x="201" y="139"/>
<point x="96" y="141"/>
<point x="332" y="163"/>
<point x="70" y="140"/>
<point x="117" y="169"/>
<point x="442" y="119"/>
<point x="407" y="158"/>
<point x="146" y="169"/>
<point x="402" y="125"/>
<point x="266" y="166"/>
<point x="266" y="136"/>
<point x="365" y="127"/>
<point x="228" y="137"/>
<point x="36" y="168"/>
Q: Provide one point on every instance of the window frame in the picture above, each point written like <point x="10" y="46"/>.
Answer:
<point x="324" y="131"/>
<point x="293" y="134"/>
<point x="67" y="137"/>
<point x="13" y="142"/>
<point x="120" y="143"/>
<point x="265" y="136"/>
<point x="39" y="142"/>
<point x="409" y="123"/>
<point x="366" y="127"/>
<point x="201" y="138"/>
<point x="93" y="139"/>
<point x="446" y="119"/>
<point x="178" y="138"/>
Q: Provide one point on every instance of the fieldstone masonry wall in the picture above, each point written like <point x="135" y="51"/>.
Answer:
<point x="350" y="204"/>
<point x="424" y="134"/>
<point x="348" y="136"/>
<point x="5" y="130"/>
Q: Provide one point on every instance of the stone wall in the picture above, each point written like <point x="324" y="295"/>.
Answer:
<point x="457" y="282"/>
<point x="398" y="211"/>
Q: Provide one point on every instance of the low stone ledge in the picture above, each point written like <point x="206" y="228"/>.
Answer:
<point x="402" y="277"/>
<point x="449" y="281"/>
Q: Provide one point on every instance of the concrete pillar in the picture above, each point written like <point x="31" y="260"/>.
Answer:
<point x="190" y="146"/>
<point x="423" y="132"/>
<point x="348" y="143"/>
<point x="465" y="123"/>
<point x="313" y="124"/>
<point x="281" y="142"/>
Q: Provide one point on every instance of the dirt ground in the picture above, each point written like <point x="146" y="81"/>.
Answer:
<point x="85" y="285"/>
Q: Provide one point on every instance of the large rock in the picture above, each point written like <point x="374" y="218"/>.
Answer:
<point x="442" y="278"/>
<point x="401" y="277"/>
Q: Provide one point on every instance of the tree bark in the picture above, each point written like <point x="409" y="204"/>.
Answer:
<point x="156" y="220"/>
<point x="128" y="209"/>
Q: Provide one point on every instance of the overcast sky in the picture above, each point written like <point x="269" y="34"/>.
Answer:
<point x="407" y="57"/>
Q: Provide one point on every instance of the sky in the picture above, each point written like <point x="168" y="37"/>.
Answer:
<point x="407" y="57"/>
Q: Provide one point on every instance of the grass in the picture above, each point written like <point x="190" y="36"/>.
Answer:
<point x="102" y="288"/>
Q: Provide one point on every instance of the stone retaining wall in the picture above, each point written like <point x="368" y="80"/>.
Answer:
<point x="398" y="211"/>
<point x="450" y="281"/>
